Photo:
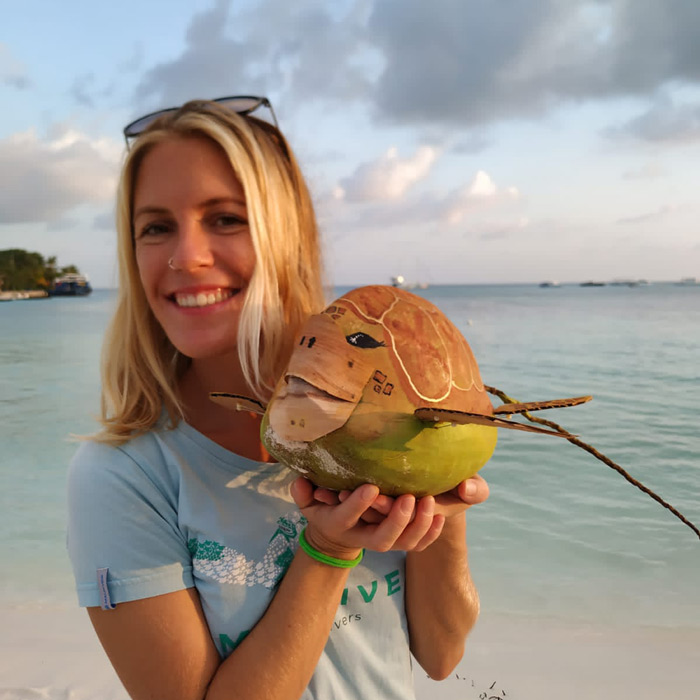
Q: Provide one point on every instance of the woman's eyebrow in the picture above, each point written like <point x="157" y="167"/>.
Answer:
<point x="149" y="210"/>
<point x="223" y="200"/>
<point x="214" y="201"/>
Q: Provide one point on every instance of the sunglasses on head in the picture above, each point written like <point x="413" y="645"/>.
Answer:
<point x="241" y="104"/>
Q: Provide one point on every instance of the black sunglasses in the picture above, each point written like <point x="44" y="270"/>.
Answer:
<point x="241" y="104"/>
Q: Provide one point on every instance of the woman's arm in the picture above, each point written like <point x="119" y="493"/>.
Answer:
<point x="161" y="646"/>
<point x="442" y="603"/>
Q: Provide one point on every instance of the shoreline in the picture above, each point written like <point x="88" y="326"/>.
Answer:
<point x="19" y="295"/>
<point x="52" y="653"/>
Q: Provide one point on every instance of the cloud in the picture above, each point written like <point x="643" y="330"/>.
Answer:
<point x="80" y="90"/>
<point x="650" y="217"/>
<point x="664" y="122"/>
<point x="105" y="221"/>
<point x="12" y="72"/>
<point x="469" y="62"/>
<point x="496" y="229"/>
<point x="134" y="61"/>
<point x="479" y="193"/>
<point x="457" y="63"/>
<point x="478" y="208"/>
<point x="209" y="61"/>
<point x="389" y="177"/>
<point x="42" y="180"/>
<point x="299" y="49"/>
<point x="648" y="171"/>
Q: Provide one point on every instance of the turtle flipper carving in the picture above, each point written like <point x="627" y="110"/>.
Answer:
<point x="236" y="402"/>
<point x="510" y="408"/>
<point x="441" y="415"/>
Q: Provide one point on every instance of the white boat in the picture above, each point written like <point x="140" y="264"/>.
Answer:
<point x="71" y="284"/>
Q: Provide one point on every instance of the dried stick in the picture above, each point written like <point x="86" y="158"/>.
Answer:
<point x="584" y="446"/>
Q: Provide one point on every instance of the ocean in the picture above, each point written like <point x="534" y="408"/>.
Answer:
<point x="562" y="537"/>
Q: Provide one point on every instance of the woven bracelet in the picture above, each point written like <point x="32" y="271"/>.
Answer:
<point x="324" y="558"/>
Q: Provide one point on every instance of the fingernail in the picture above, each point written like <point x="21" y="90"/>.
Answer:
<point x="368" y="493"/>
<point x="408" y="504"/>
<point x="470" y="488"/>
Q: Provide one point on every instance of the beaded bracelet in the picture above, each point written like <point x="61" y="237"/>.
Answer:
<point x="325" y="558"/>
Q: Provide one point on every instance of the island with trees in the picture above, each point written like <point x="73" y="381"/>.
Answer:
<point x="28" y="275"/>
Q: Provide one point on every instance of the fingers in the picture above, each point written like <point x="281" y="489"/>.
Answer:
<point x="388" y="532"/>
<point x="336" y="529"/>
<point x="302" y="491"/>
<point x="375" y="514"/>
<point x="327" y="496"/>
<point x="348" y="513"/>
<point x="474" y="490"/>
<point x="434" y="531"/>
<point x="364" y="518"/>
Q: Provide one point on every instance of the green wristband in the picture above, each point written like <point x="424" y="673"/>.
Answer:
<point x="324" y="558"/>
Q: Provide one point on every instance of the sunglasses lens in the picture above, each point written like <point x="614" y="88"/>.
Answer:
<point x="241" y="104"/>
<point x="135" y="128"/>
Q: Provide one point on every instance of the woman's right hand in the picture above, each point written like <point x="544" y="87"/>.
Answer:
<point x="339" y="530"/>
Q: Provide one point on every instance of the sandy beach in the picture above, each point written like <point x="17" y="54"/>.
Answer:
<point x="53" y="654"/>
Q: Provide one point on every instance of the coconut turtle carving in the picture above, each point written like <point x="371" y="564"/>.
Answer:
<point x="382" y="388"/>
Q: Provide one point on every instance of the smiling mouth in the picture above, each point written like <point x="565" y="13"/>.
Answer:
<point x="202" y="299"/>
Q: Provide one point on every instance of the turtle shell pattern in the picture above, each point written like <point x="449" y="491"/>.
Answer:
<point x="432" y="361"/>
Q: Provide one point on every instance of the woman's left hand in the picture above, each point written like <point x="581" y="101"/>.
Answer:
<point x="468" y="493"/>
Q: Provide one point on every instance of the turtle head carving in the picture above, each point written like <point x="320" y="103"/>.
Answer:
<point x="391" y="350"/>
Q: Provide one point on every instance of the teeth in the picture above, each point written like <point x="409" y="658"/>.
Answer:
<point x="203" y="298"/>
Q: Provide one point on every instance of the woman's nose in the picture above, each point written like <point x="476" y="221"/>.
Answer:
<point x="192" y="248"/>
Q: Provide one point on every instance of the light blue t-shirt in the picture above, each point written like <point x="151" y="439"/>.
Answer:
<point x="172" y="509"/>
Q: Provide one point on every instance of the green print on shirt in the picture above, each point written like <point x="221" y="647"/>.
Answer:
<point x="393" y="585"/>
<point x="228" y="645"/>
<point x="209" y="550"/>
<point x="228" y="566"/>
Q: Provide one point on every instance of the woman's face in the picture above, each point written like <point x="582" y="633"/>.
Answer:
<point x="190" y="210"/>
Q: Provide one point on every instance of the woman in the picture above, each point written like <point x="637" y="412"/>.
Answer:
<point x="183" y="535"/>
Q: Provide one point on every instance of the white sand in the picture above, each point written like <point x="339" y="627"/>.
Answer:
<point x="518" y="659"/>
<point x="53" y="654"/>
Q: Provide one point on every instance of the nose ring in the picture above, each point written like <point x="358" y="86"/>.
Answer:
<point x="170" y="264"/>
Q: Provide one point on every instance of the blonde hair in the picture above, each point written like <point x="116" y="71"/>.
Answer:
<point x="140" y="366"/>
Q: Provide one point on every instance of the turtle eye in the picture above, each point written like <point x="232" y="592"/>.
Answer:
<point x="362" y="340"/>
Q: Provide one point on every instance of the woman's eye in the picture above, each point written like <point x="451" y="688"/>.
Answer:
<point x="229" y="221"/>
<point x="152" y="230"/>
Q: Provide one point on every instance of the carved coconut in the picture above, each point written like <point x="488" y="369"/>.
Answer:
<point x="382" y="388"/>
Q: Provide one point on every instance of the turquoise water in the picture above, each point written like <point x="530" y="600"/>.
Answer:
<point x="561" y="536"/>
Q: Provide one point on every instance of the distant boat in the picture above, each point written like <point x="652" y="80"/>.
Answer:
<point x="688" y="281"/>
<point x="592" y="284"/>
<point x="548" y="284"/>
<point x="70" y="285"/>
<point x="625" y="283"/>
<point x="400" y="282"/>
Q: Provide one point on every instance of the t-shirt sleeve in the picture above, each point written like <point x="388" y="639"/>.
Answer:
<point x="122" y="518"/>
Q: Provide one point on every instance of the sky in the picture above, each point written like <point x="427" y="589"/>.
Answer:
<point x="447" y="141"/>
